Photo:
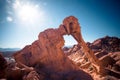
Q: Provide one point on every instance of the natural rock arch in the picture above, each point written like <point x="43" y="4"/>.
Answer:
<point x="48" y="50"/>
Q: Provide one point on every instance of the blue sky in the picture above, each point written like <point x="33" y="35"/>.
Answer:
<point x="22" y="20"/>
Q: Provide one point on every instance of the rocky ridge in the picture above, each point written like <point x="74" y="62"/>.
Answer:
<point x="107" y="50"/>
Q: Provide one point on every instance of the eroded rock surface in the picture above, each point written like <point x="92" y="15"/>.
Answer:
<point x="106" y="44"/>
<point x="107" y="50"/>
<point x="47" y="52"/>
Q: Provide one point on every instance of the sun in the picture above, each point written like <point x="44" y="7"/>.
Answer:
<point x="27" y="13"/>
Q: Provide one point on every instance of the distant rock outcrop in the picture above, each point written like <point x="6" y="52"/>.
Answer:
<point x="107" y="44"/>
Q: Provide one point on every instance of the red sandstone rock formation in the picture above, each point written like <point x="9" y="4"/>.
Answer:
<point x="47" y="51"/>
<point x="109" y="58"/>
<point x="106" y="44"/>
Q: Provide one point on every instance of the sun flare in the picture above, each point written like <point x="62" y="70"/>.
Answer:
<point x="27" y="13"/>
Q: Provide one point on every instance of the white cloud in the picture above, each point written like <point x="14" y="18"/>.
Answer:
<point x="9" y="19"/>
<point x="16" y="4"/>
